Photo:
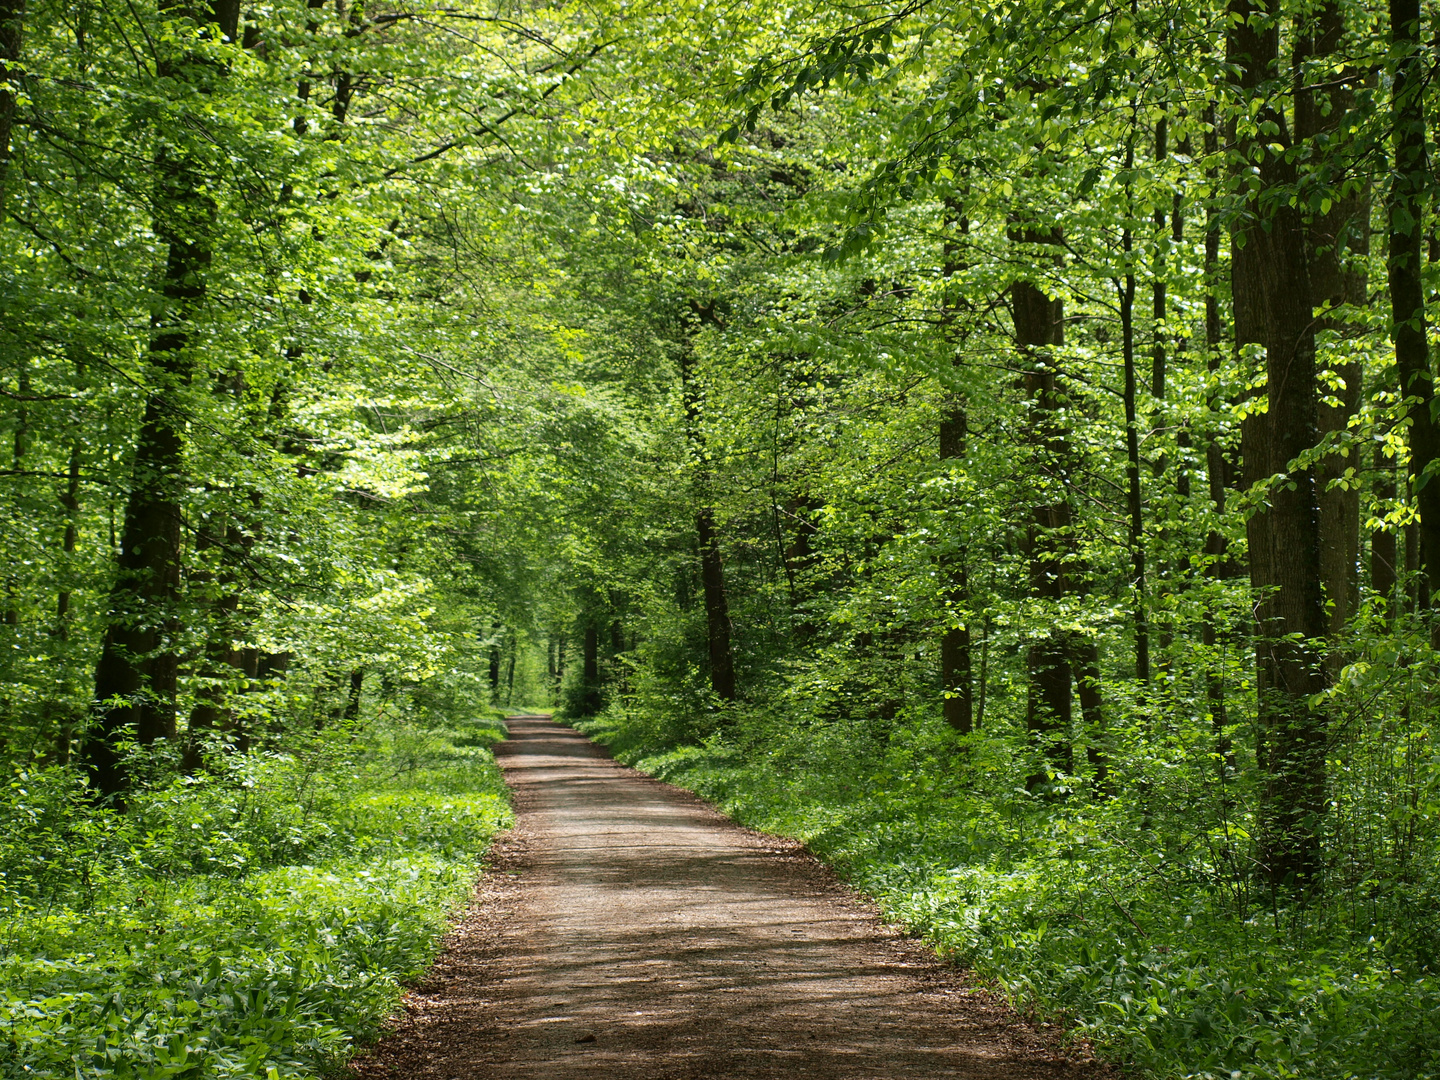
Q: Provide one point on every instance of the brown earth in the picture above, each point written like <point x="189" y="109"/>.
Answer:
<point x="626" y="929"/>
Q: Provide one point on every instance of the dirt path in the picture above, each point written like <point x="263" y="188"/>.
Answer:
<point x="628" y="930"/>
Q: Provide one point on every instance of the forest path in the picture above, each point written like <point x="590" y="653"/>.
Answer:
<point x="627" y="929"/>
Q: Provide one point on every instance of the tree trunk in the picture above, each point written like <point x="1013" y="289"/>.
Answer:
<point x="510" y="672"/>
<point x="1333" y="238"/>
<point x="1273" y="261"/>
<point x="955" y="663"/>
<point x="1384" y="552"/>
<point x="495" y="631"/>
<point x="357" y="689"/>
<point x="1039" y="326"/>
<point x="1406" y="213"/>
<point x="712" y="569"/>
<point x="591" y="669"/>
<point x="717" y="607"/>
<point x="209" y="713"/>
<point x="1217" y="473"/>
<point x="137" y="674"/>
<point x="1135" y="507"/>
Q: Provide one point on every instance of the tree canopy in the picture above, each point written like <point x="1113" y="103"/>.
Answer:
<point x="1023" y="409"/>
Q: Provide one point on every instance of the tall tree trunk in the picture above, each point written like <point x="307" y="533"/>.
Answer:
<point x="70" y="500"/>
<point x="619" y="671"/>
<point x="135" y="679"/>
<point x="1039" y="328"/>
<point x="137" y="674"/>
<point x="1406" y="210"/>
<point x="357" y="690"/>
<point x="1134" y="504"/>
<point x="955" y="644"/>
<point x="495" y="634"/>
<point x="1384" y="552"/>
<point x="591" y="657"/>
<point x="1273" y="261"/>
<point x="717" y="607"/>
<point x="1217" y="471"/>
<point x="11" y="616"/>
<point x="955" y="675"/>
<point x="712" y="568"/>
<point x="1339" y="241"/>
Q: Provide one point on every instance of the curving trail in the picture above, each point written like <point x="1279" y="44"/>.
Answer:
<point x="628" y="930"/>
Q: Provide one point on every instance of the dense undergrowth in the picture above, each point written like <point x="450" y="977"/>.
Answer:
<point x="254" y="921"/>
<point x="1075" y="907"/>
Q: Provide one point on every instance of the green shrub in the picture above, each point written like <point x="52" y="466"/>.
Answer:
<point x="254" y="921"/>
<point x="1074" y="907"/>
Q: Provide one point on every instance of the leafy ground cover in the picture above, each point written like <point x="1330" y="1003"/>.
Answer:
<point x="1073" y="907"/>
<point x="254" y="921"/>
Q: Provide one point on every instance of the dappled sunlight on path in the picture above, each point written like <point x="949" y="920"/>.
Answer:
<point x="629" y="930"/>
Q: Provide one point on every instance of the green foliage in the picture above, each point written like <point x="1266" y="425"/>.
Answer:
<point x="1079" y="909"/>
<point x="260" y="918"/>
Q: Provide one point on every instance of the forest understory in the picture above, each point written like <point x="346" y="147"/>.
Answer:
<point x="993" y="444"/>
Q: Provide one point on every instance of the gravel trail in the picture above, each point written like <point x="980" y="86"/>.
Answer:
<point x="628" y="930"/>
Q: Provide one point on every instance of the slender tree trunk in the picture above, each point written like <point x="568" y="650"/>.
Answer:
<point x="1217" y="474"/>
<point x="495" y="635"/>
<point x="955" y="675"/>
<point x="209" y="713"/>
<point x="11" y="616"/>
<point x="1159" y="285"/>
<point x="800" y="559"/>
<point x="617" y="655"/>
<point x="717" y="607"/>
<point x="70" y="501"/>
<point x="591" y="657"/>
<point x="1384" y="551"/>
<point x="1134" y="503"/>
<point x="712" y="568"/>
<point x="955" y="643"/>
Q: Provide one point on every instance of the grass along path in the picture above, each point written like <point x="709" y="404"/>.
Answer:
<point x="252" y="923"/>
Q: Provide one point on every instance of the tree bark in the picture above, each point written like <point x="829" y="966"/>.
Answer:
<point x="1339" y="241"/>
<point x="955" y="642"/>
<point x="1273" y="262"/>
<point x="1039" y="327"/>
<point x="955" y="645"/>
<point x="1217" y="473"/>
<point x="1134" y="504"/>
<point x="712" y="567"/>
<point x="495" y="631"/>
<point x="1405" y="212"/>
<point x="1384" y="552"/>
<point x="357" y="689"/>
<point x="137" y="674"/>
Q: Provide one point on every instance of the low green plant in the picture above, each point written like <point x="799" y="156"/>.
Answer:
<point x="1075" y="907"/>
<point x="254" y="921"/>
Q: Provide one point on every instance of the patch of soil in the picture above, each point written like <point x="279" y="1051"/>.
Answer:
<point x="626" y="929"/>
